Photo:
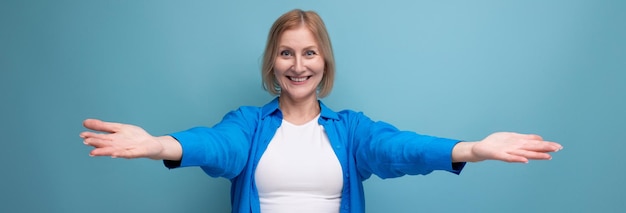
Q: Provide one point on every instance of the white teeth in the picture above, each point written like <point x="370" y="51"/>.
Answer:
<point x="298" y="79"/>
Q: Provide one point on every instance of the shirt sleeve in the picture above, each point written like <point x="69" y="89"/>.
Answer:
<point x="222" y="150"/>
<point x="387" y="152"/>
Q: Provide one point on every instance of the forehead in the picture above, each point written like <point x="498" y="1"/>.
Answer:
<point x="300" y="36"/>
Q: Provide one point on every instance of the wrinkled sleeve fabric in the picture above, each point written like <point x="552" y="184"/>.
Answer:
<point x="222" y="150"/>
<point x="387" y="152"/>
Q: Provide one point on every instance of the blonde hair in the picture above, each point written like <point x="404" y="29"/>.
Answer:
<point x="291" y="20"/>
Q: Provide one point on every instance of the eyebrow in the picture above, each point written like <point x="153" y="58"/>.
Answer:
<point x="306" y="48"/>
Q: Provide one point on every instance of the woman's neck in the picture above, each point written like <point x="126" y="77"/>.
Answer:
<point x="299" y="112"/>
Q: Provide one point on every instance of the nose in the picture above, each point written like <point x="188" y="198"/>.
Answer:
<point x="299" y="65"/>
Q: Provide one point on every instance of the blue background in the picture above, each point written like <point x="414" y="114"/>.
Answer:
<point x="459" y="69"/>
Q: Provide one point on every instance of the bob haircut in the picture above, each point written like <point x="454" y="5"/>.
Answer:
<point x="292" y="20"/>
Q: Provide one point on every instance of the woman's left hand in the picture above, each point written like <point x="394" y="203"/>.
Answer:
<point x="505" y="146"/>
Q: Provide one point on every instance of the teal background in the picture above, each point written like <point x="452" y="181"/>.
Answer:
<point x="459" y="69"/>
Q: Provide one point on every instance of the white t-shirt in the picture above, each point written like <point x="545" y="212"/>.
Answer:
<point x="299" y="171"/>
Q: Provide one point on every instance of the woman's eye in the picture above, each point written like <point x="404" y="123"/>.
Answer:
<point x="310" y="53"/>
<point x="285" y="53"/>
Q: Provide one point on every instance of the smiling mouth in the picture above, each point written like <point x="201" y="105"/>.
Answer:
<point x="298" y="79"/>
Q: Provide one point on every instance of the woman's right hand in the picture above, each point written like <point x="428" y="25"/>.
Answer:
<point x="128" y="141"/>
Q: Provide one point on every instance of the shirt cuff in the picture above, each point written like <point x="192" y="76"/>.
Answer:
<point x="171" y="164"/>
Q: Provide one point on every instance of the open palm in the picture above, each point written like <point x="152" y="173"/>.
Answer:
<point x="120" y="140"/>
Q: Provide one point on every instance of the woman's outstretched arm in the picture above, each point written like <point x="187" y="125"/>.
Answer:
<point x="128" y="141"/>
<point x="505" y="146"/>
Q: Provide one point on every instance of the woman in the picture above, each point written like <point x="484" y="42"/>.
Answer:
<point x="294" y="153"/>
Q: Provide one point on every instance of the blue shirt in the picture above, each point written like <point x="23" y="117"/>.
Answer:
<point x="233" y="147"/>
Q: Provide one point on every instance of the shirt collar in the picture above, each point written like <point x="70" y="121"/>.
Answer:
<point x="327" y="113"/>
<point x="272" y="107"/>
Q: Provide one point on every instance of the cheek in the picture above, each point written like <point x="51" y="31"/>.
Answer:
<point x="278" y="70"/>
<point x="319" y="65"/>
<point x="280" y="66"/>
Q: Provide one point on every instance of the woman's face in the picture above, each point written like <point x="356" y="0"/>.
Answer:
<point x="299" y="66"/>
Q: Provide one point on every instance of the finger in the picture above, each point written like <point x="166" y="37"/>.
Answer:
<point x="542" y="146"/>
<point x="106" y="151"/>
<point x="513" y="158"/>
<point x="556" y="145"/>
<point x="87" y="134"/>
<point x="98" y="125"/>
<point x="113" y="152"/>
<point x="126" y="153"/>
<point x="97" y="142"/>
<point x="532" y="155"/>
<point x="538" y="138"/>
